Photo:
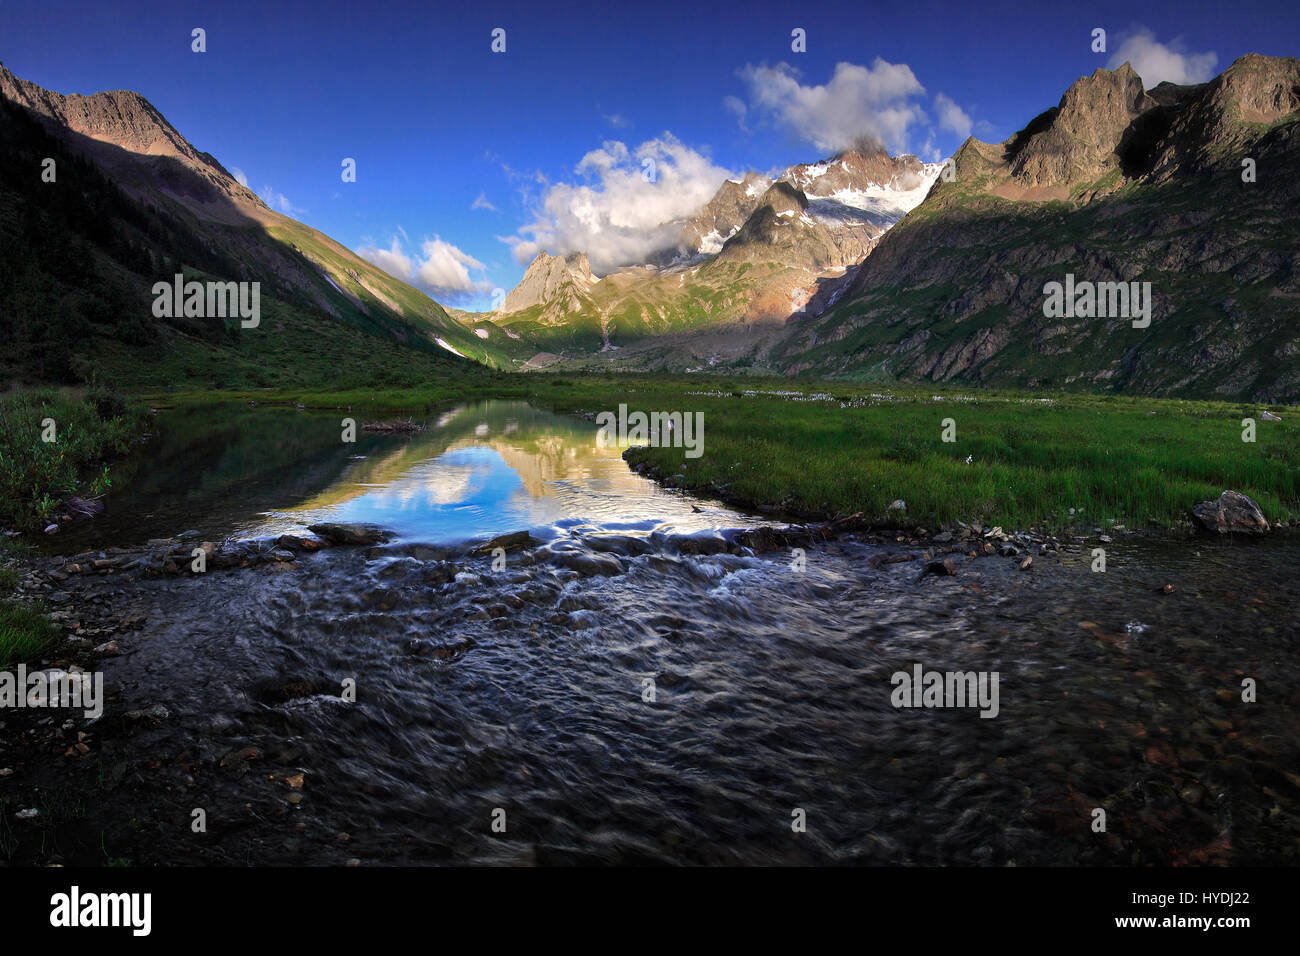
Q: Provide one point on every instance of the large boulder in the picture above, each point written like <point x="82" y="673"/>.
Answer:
<point x="1231" y="513"/>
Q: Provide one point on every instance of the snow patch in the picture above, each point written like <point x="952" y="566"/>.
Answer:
<point x="481" y="333"/>
<point x="449" y="347"/>
<point x="711" y="244"/>
<point x="881" y="205"/>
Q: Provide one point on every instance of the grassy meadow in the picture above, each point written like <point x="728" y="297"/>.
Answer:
<point x="825" y="449"/>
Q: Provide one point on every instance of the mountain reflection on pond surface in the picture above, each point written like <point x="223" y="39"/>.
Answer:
<point x="496" y="467"/>
<point x="477" y="470"/>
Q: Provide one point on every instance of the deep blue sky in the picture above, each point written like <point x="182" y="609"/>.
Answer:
<point x="435" y="120"/>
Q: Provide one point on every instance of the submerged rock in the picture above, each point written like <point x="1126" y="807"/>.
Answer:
<point x="516" y="539"/>
<point x="587" y="564"/>
<point x="623" y="544"/>
<point x="293" y="542"/>
<point x="944" y="568"/>
<point x="1231" y="513"/>
<point x="349" y="533"/>
<point x="393" y="427"/>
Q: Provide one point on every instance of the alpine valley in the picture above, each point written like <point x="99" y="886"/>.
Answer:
<point x="860" y="266"/>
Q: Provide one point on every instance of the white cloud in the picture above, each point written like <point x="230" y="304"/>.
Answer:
<point x="278" y="200"/>
<point x="239" y="176"/>
<point x="627" y="208"/>
<point x="736" y="106"/>
<point x="439" y="269"/>
<point x="482" y="203"/>
<point x="951" y="116"/>
<point x="618" y="121"/>
<point x="873" y="103"/>
<point x="1156" y="62"/>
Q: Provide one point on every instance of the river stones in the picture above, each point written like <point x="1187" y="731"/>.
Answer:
<point x="701" y="542"/>
<point x="588" y="564"/>
<point x="1231" y="513"/>
<point x="623" y="544"/>
<point x="440" y="572"/>
<point x="351" y="534"/>
<point x="507" y="542"/>
<point x="944" y="568"/>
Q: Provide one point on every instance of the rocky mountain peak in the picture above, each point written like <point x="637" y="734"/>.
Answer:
<point x="117" y="117"/>
<point x="1262" y="88"/>
<point x="1076" y="140"/>
<point x="549" y="277"/>
<point x="726" y="212"/>
<point x="783" y="198"/>
<point x="125" y="133"/>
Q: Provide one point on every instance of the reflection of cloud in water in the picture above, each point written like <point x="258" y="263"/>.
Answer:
<point x="450" y="479"/>
<point x="498" y="467"/>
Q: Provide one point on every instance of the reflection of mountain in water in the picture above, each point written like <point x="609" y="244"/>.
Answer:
<point x="476" y="470"/>
<point x="539" y="447"/>
<point x="491" y="467"/>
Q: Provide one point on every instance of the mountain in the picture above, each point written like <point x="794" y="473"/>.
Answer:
<point x="706" y="231"/>
<point x="757" y="252"/>
<point x="1190" y="188"/>
<point x="562" y="283"/>
<point x="133" y="203"/>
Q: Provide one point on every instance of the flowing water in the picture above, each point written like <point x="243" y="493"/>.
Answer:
<point x="641" y="689"/>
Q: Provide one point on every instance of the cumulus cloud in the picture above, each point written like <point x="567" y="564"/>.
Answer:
<point x="875" y="103"/>
<point x="951" y="116"/>
<point x="439" y="268"/>
<point x="626" y="209"/>
<point x="1156" y="62"/>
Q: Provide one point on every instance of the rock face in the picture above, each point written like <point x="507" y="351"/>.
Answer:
<point x="733" y="203"/>
<point x="1231" y="513"/>
<point x="558" y="281"/>
<point x="1076" y="140"/>
<point x="125" y="133"/>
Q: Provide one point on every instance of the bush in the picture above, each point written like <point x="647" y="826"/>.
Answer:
<point x="36" y="475"/>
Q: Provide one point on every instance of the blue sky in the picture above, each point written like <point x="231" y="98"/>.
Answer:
<point x="469" y="160"/>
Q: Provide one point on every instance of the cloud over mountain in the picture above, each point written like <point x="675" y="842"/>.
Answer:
<point x="625" y="210"/>
<point x="1156" y="62"/>
<point x="951" y="116"/>
<point x="875" y="103"/>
